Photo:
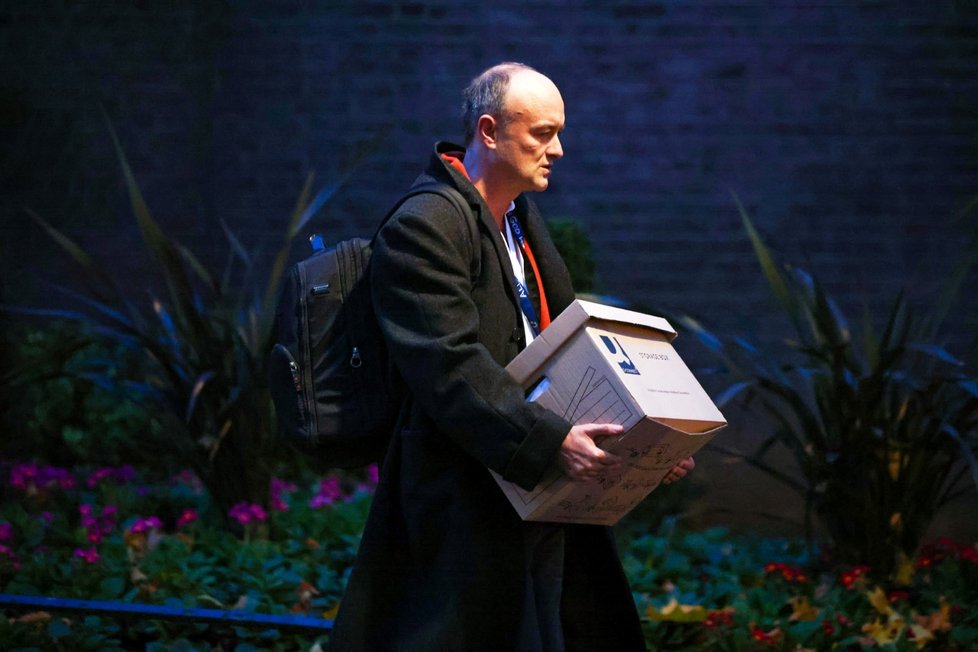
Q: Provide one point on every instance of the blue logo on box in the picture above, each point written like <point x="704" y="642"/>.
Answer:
<point x="621" y="358"/>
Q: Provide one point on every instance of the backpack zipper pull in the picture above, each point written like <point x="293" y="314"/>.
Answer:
<point x="294" y="368"/>
<point x="355" y="360"/>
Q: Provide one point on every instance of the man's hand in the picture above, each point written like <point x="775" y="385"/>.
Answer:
<point x="679" y="471"/>
<point x="579" y="456"/>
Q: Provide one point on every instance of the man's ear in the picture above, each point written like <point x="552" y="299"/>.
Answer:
<point x="486" y="130"/>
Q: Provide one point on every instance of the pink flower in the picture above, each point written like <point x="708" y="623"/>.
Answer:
<point x="47" y="517"/>
<point x="33" y="479"/>
<point x="188" y="479"/>
<point x="7" y="551"/>
<point x="121" y="475"/>
<point x="97" y="526"/>
<point x="279" y="487"/>
<point x="329" y="492"/>
<point x="23" y="476"/>
<point x="97" y="476"/>
<point x="245" y="513"/>
<point x="187" y="517"/>
<point x="90" y="555"/>
<point x="146" y="524"/>
<point x="370" y="484"/>
<point x="258" y="513"/>
<point x="64" y="479"/>
<point x="88" y="520"/>
<point x="6" y="531"/>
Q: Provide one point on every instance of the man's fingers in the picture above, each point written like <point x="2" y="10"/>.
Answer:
<point x="679" y="471"/>
<point x="609" y="459"/>
<point x="601" y="430"/>
<point x="581" y="457"/>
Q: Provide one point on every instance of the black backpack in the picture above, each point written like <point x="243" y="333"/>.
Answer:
<point x="329" y="370"/>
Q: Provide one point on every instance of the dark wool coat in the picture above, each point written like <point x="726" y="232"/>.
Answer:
<point x="442" y="564"/>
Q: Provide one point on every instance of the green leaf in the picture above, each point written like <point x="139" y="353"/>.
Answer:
<point x="774" y="277"/>
<point x="936" y="352"/>
<point x="112" y="587"/>
<point x="732" y="392"/>
<point x="105" y="282"/>
<point x="964" y="634"/>
<point x="967" y="452"/>
<point x="165" y="253"/>
<point x="57" y="628"/>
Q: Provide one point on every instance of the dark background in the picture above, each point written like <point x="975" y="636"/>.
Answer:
<point x="848" y="129"/>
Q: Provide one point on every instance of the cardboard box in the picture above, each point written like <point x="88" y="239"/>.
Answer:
<point x="600" y="364"/>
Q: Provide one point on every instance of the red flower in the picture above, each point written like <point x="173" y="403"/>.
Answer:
<point x="828" y="627"/>
<point x="789" y="573"/>
<point x="897" y="596"/>
<point x="767" y="638"/>
<point x="187" y="517"/>
<point x="945" y="548"/>
<point x="849" y="578"/>
<point x="90" y="555"/>
<point x="718" y="618"/>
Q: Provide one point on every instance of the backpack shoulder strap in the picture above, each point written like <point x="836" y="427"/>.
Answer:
<point x="434" y="187"/>
<point x="453" y="196"/>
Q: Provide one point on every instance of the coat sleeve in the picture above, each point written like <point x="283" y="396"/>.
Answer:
<point x="422" y="294"/>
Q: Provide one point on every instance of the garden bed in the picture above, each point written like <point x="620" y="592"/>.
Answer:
<point x="107" y="534"/>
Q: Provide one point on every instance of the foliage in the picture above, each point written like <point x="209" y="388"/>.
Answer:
<point x="710" y="591"/>
<point x="204" y="343"/>
<point x="575" y="248"/>
<point x="883" y="429"/>
<point x="105" y="534"/>
<point x="55" y="413"/>
<point x="108" y="534"/>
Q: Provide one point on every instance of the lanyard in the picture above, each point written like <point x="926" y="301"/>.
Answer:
<point x="524" y="295"/>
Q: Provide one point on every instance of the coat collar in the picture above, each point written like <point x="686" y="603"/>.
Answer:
<point x="440" y="170"/>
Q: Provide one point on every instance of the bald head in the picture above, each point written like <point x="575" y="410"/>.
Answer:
<point x="487" y="94"/>
<point x="513" y="120"/>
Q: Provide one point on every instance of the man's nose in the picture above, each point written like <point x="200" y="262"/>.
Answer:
<point x="555" y="150"/>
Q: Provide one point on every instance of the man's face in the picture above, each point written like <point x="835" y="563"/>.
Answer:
<point x="528" y="133"/>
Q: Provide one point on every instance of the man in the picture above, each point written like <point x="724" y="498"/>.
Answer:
<point x="445" y="562"/>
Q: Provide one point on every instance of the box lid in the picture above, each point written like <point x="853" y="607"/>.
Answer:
<point x="523" y="366"/>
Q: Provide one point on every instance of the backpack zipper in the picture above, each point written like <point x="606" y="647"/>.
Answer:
<point x="296" y="378"/>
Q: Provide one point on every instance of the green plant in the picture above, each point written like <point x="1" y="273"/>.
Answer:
<point x="55" y="413"/>
<point x="575" y="248"/>
<point x="116" y="534"/>
<point x="204" y="344"/>
<point x="713" y="591"/>
<point x="883" y="429"/>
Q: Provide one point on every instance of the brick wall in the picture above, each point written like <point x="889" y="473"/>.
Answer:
<point x="848" y="129"/>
